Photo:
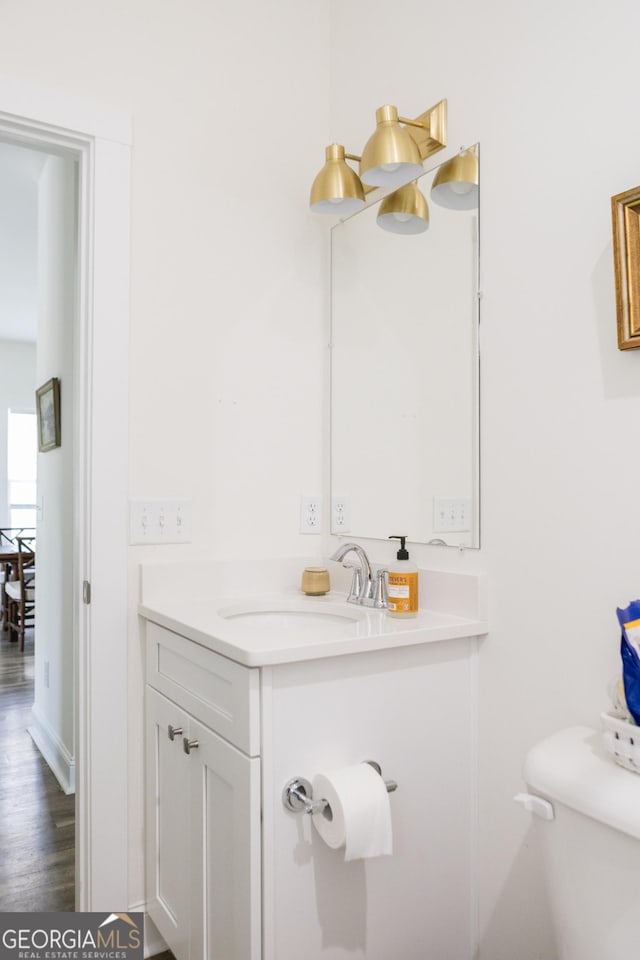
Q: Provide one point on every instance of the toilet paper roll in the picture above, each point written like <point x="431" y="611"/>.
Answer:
<point x="360" y="819"/>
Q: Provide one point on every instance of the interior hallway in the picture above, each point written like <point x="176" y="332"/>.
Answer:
<point x="37" y="820"/>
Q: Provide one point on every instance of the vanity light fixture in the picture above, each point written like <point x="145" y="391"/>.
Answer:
<point x="404" y="211"/>
<point x="455" y="185"/>
<point x="393" y="155"/>
<point x="337" y="188"/>
<point x="390" y="155"/>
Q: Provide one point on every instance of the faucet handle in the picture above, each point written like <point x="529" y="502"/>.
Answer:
<point x="355" y="592"/>
<point x="380" y="593"/>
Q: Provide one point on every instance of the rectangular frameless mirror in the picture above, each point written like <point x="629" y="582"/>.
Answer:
<point x="405" y="377"/>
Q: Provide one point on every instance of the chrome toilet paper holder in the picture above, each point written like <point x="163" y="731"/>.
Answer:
<point x="297" y="794"/>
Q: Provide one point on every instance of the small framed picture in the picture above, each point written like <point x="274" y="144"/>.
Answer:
<point x="48" y="407"/>
<point x="625" y="210"/>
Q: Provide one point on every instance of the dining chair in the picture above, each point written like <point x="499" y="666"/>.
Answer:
<point x="8" y="537"/>
<point x="5" y="571"/>
<point x="21" y="591"/>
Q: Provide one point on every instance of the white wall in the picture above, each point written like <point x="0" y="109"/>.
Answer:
<point x="53" y="708"/>
<point x="227" y="263"/>
<point x="230" y="106"/>
<point x="548" y="89"/>
<point x="19" y="170"/>
<point x="17" y="391"/>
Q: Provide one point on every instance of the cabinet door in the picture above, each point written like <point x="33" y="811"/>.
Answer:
<point x="167" y="822"/>
<point x="226" y="851"/>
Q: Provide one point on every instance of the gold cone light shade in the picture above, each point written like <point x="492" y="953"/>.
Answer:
<point x="455" y="185"/>
<point x="405" y="211"/>
<point x="337" y="189"/>
<point x="391" y="155"/>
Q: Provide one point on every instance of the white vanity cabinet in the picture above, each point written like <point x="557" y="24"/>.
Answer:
<point x="234" y="875"/>
<point x="203" y="800"/>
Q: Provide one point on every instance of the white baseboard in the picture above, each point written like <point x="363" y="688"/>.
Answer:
<point x="58" y="758"/>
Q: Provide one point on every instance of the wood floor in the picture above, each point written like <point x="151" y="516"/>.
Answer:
<point x="37" y="820"/>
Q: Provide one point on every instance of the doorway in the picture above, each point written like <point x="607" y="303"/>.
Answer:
<point x="38" y="192"/>
<point x="98" y="141"/>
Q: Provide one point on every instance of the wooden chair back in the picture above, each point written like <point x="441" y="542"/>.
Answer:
<point x="11" y="534"/>
<point x="21" y="592"/>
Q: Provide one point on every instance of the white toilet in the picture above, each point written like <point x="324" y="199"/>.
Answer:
<point x="588" y="824"/>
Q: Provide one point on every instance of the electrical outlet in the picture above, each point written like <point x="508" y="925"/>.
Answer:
<point x="451" y="514"/>
<point x="340" y="515"/>
<point x="310" y="515"/>
<point x="160" y="521"/>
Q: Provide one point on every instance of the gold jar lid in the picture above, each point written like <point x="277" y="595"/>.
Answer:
<point x="315" y="581"/>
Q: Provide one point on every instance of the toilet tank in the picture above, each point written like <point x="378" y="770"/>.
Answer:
<point x="591" y="848"/>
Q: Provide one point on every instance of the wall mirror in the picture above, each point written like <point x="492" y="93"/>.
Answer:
<point x="405" y="377"/>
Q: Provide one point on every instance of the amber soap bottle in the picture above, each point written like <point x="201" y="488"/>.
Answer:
<point x="403" y="583"/>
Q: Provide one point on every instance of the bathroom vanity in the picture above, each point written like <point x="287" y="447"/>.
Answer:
<point x="251" y="684"/>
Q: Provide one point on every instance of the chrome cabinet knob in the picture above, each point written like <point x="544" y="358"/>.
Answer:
<point x="174" y="732"/>
<point x="189" y="745"/>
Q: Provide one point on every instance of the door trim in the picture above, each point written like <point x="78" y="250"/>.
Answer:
<point x="100" y="140"/>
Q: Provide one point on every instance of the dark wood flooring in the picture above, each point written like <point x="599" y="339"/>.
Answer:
<point x="37" y="820"/>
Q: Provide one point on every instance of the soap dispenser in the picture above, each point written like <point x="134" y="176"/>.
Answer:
<point x="403" y="584"/>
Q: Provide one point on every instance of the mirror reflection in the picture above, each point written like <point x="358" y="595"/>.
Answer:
<point x="405" y="369"/>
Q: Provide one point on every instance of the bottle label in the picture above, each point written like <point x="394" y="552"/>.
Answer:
<point x="403" y="592"/>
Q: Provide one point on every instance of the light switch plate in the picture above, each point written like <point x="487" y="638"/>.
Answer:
<point x="451" y="514"/>
<point x="160" y="521"/>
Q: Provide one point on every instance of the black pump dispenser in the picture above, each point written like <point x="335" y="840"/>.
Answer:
<point x="402" y="554"/>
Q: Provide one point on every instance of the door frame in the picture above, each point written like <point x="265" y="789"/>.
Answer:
<point x="100" y="140"/>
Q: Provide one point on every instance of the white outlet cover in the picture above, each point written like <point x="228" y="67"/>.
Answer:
<point x="310" y="515"/>
<point x="340" y="514"/>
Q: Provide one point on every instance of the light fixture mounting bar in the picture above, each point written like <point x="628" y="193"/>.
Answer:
<point x="429" y="130"/>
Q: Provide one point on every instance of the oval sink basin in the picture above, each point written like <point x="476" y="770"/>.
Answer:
<point x="275" y="616"/>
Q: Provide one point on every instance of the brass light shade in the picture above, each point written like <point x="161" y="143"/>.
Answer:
<point x="337" y="189"/>
<point x="455" y="185"/>
<point x="404" y="211"/>
<point x="391" y="156"/>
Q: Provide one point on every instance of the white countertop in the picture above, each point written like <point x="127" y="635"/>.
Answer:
<point x="301" y="637"/>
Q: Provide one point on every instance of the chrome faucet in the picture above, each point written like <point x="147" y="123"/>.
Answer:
<point x="365" y="589"/>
